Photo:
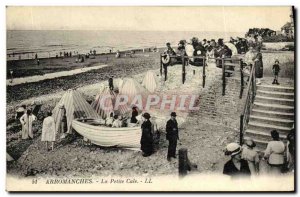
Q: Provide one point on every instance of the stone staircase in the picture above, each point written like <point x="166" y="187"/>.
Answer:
<point x="273" y="108"/>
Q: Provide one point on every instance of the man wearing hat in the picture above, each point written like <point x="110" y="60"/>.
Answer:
<point x="147" y="136"/>
<point x="236" y="166"/>
<point x="172" y="136"/>
<point x="181" y="50"/>
<point x="170" y="50"/>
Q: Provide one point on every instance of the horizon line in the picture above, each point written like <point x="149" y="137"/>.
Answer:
<point x="117" y="30"/>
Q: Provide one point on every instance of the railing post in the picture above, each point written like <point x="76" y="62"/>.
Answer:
<point x="183" y="68"/>
<point x="183" y="162"/>
<point x="242" y="78"/>
<point x="223" y="77"/>
<point x="241" y="129"/>
<point x="161" y="64"/>
<point x="204" y="76"/>
<point x="253" y="85"/>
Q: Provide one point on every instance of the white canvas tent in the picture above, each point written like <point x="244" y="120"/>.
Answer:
<point x="131" y="88"/>
<point x="150" y="81"/>
<point x="104" y="102"/>
<point x="76" y="107"/>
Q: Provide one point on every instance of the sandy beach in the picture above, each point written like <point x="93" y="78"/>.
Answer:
<point x="209" y="157"/>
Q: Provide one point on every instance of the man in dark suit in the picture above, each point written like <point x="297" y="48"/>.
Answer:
<point x="172" y="136"/>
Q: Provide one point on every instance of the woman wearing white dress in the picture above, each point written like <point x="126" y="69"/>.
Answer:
<point x="48" y="131"/>
<point x="27" y="120"/>
<point x="274" y="153"/>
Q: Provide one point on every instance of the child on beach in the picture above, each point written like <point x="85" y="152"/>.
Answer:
<point x="276" y="69"/>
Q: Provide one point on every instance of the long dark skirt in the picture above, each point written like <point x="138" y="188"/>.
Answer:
<point x="147" y="147"/>
<point x="259" y="69"/>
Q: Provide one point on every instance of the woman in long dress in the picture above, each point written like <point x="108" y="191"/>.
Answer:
<point x="48" y="131"/>
<point x="147" y="136"/>
<point x="27" y="120"/>
<point x="274" y="153"/>
<point x="259" y="67"/>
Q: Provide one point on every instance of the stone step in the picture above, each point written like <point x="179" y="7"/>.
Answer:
<point x="261" y="135"/>
<point x="273" y="107"/>
<point x="272" y="114"/>
<point x="274" y="100"/>
<point x="275" y="88"/>
<point x="286" y="95"/>
<point x="257" y="126"/>
<point x="272" y="121"/>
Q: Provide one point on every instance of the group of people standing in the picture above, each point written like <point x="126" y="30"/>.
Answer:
<point x="27" y="120"/>
<point x="245" y="160"/>
<point x="204" y="48"/>
<point x="148" y="132"/>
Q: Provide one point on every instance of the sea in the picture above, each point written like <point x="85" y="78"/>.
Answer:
<point x="24" y="44"/>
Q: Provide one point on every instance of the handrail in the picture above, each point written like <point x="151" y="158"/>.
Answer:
<point x="204" y="59"/>
<point x="249" y="99"/>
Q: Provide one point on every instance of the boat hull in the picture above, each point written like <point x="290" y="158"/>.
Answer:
<point x="125" y="137"/>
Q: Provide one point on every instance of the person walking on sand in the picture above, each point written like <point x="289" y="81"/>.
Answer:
<point x="147" y="136"/>
<point x="274" y="154"/>
<point x="27" y="120"/>
<point x="111" y="83"/>
<point x="276" y="69"/>
<point x="172" y="136"/>
<point x="48" y="131"/>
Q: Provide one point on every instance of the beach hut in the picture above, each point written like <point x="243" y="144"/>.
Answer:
<point x="104" y="102"/>
<point x="75" y="107"/>
<point x="118" y="83"/>
<point x="131" y="88"/>
<point x="150" y="81"/>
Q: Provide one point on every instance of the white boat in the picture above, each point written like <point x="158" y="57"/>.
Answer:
<point x="125" y="137"/>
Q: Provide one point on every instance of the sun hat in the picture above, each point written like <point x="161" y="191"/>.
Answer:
<point x="232" y="149"/>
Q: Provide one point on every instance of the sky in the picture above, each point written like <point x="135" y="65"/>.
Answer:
<point x="222" y="19"/>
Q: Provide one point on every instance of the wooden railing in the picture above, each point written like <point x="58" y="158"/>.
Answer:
<point x="249" y="100"/>
<point x="185" y="60"/>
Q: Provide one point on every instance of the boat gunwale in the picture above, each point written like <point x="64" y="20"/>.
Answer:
<point x="106" y="128"/>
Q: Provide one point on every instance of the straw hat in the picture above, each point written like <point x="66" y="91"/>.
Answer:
<point x="233" y="149"/>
